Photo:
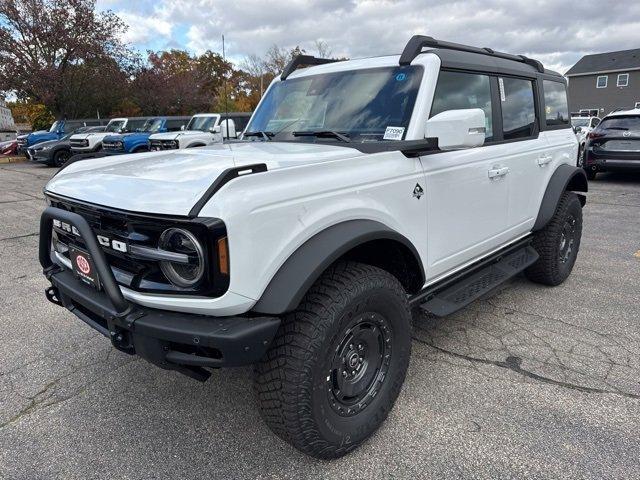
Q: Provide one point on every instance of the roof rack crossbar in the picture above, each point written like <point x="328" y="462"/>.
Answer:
<point x="418" y="42"/>
<point x="306" y="61"/>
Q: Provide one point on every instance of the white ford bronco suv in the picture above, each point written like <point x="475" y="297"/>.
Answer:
<point x="203" y="129"/>
<point x="361" y="190"/>
<point x="91" y="142"/>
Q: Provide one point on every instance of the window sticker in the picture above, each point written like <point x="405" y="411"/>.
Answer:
<point x="393" y="133"/>
<point x="501" y="84"/>
<point x="401" y="77"/>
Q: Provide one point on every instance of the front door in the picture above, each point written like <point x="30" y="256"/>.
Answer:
<point x="466" y="190"/>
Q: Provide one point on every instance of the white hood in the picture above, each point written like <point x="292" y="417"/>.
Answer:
<point x="177" y="135"/>
<point x="93" y="135"/>
<point x="171" y="182"/>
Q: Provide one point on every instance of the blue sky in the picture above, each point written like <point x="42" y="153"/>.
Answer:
<point x="556" y="32"/>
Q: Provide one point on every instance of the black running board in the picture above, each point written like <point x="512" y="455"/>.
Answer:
<point x="469" y="288"/>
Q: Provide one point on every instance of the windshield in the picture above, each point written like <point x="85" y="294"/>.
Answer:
<point x="580" y="122"/>
<point x="55" y="127"/>
<point x="621" y="123"/>
<point x="115" y="125"/>
<point x="365" y="105"/>
<point x="152" y="125"/>
<point x="204" y="124"/>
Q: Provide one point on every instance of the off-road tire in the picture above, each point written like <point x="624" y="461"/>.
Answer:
<point x="554" y="264"/>
<point x="294" y="380"/>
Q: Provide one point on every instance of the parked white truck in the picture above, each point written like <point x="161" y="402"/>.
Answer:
<point x="363" y="189"/>
<point x="91" y="142"/>
<point x="203" y="129"/>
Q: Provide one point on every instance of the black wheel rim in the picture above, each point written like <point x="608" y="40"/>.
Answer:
<point x="360" y="364"/>
<point x="62" y="158"/>
<point x="567" y="239"/>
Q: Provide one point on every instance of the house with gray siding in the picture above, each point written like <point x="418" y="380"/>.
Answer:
<point x="605" y="81"/>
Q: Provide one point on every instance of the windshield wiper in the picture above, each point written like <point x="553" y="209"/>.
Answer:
<point x="266" y="136"/>
<point x="343" y="137"/>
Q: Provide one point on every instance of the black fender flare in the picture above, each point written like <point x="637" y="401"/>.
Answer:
<point x="566" y="177"/>
<point x="304" y="266"/>
<point x="196" y="145"/>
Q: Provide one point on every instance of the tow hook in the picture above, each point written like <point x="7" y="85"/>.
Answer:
<point x="52" y="295"/>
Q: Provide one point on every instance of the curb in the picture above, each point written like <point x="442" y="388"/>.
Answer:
<point x="5" y="160"/>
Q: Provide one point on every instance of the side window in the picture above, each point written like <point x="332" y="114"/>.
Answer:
<point x="556" y="108"/>
<point x="174" y="125"/>
<point x="71" y="126"/>
<point x="133" y="125"/>
<point x="518" y="108"/>
<point x="456" y="90"/>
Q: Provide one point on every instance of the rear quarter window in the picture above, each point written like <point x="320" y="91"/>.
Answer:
<point x="518" y="108"/>
<point x="556" y="107"/>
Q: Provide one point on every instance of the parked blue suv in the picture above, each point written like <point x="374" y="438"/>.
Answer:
<point x="59" y="129"/>
<point x="135" y="142"/>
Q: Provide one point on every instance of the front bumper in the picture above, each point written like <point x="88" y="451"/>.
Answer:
<point x="171" y="340"/>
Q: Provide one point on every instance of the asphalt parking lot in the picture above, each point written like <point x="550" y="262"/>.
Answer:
<point x="530" y="382"/>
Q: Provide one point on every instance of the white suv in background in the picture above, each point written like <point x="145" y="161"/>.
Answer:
<point x="583" y="124"/>
<point x="203" y="129"/>
<point x="91" y="142"/>
<point x="362" y="189"/>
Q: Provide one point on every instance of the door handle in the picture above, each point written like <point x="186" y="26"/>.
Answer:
<point x="498" y="172"/>
<point x="544" y="159"/>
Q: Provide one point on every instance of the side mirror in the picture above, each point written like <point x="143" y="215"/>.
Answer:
<point x="215" y="129"/>
<point x="457" y="129"/>
<point x="183" y="127"/>
<point x="577" y="129"/>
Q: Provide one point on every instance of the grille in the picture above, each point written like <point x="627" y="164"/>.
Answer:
<point x="164" y="145"/>
<point x="133" y="229"/>
<point x="79" y="143"/>
<point x="113" y="146"/>
<point x="22" y="141"/>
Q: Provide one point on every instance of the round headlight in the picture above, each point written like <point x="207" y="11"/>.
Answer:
<point x="182" y="241"/>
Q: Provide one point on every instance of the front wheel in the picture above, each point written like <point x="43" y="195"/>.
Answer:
<point x="558" y="243"/>
<point x="338" y="362"/>
<point x="61" y="157"/>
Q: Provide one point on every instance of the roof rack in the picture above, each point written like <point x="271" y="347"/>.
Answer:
<point x="304" y="61"/>
<point x="418" y="42"/>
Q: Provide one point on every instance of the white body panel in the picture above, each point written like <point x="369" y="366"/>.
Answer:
<point x="192" y="138"/>
<point x="94" y="138"/>
<point x="466" y="212"/>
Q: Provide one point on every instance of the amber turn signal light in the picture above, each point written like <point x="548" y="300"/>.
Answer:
<point x="223" y="255"/>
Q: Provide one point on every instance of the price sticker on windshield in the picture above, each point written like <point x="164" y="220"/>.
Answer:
<point x="393" y="133"/>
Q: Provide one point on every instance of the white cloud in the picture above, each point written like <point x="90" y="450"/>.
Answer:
<point x="144" y="28"/>
<point x="557" y="32"/>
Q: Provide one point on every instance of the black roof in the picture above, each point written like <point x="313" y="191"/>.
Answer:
<point x="604" y="62"/>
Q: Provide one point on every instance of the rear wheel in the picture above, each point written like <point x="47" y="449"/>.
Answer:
<point x="558" y="243"/>
<point x="338" y="362"/>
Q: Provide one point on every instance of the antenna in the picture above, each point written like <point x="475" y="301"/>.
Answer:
<point x="226" y="105"/>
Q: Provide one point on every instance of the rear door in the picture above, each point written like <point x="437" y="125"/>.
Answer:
<point x="466" y="203"/>
<point x="526" y="152"/>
